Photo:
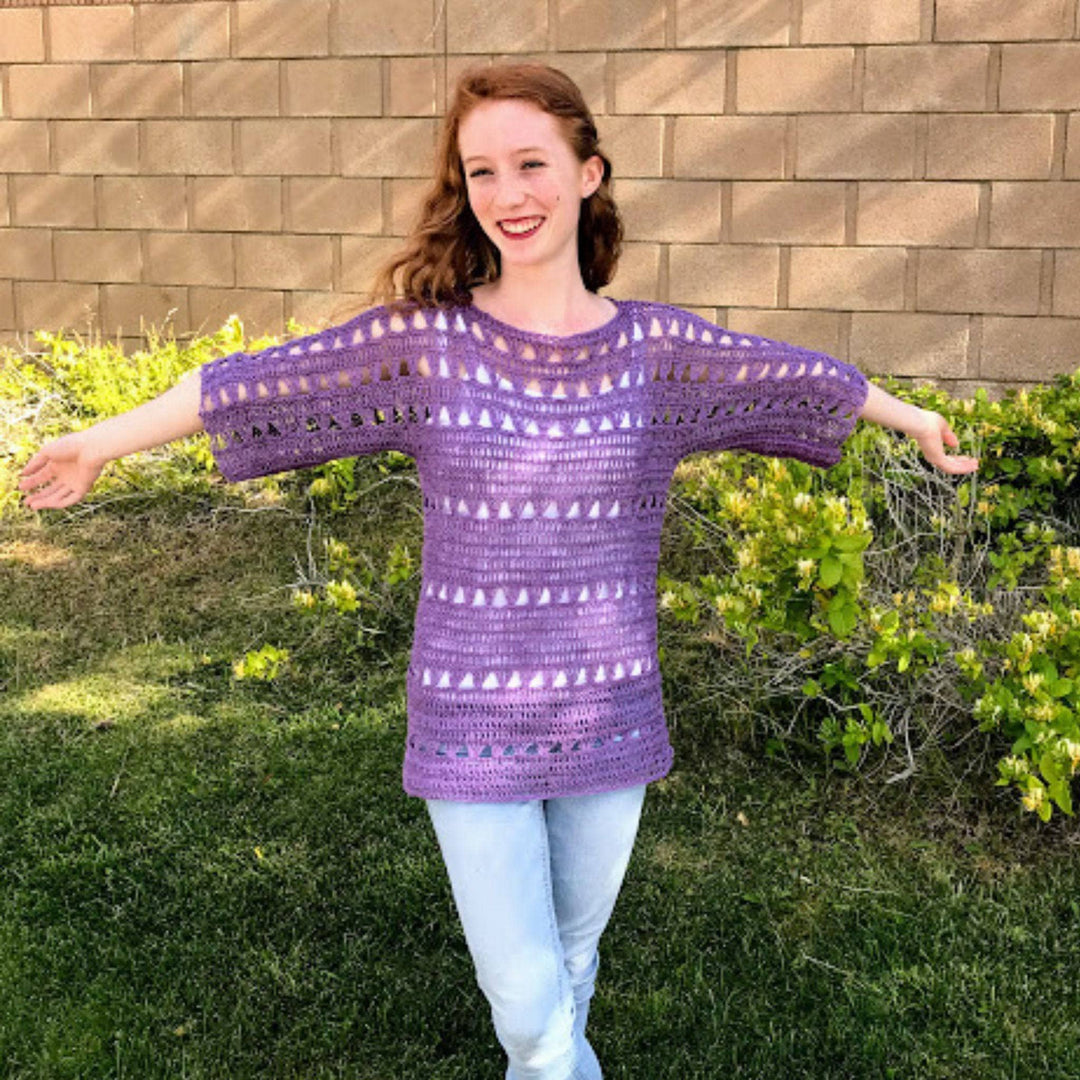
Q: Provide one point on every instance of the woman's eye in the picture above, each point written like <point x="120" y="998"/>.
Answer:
<point x="480" y="172"/>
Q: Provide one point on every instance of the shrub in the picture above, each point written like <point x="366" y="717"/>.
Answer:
<point x="893" y="614"/>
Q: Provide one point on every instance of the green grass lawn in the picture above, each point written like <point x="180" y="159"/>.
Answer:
<point x="205" y="878"/>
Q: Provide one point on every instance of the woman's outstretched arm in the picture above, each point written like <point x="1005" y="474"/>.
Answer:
<point x="352" y="389"/>
<point x="65" y="469"/>
<point x="928" y="428"/>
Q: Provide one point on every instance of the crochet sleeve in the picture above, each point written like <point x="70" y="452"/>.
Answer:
<point x="346" y="391"/>
<point x="720" y="390"/>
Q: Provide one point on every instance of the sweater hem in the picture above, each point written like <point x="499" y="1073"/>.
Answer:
<point x="592" y="785"/>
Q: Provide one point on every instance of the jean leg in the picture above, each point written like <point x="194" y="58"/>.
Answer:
<point x="590" y="838"/>
<point x="498" y="861"/>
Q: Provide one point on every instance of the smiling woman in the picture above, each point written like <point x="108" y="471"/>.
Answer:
<point x="547" y="422"/>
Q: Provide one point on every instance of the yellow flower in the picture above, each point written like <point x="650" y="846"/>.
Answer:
<point x="1034" y="798"/>
<point x="1026" y="645"/>
<point x="836" y="509"/>
<point x="943" y="604"/>
<point x="1044" y="713"/>
<point x="737" y="503"/>
<point x="1072" y="751"/>
<point x="1032" y="681"/>
<point x="1043" y="623"/>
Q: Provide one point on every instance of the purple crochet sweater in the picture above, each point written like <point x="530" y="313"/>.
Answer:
<point x="544" y="463"/>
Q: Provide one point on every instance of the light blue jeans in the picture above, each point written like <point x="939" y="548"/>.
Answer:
<point x="535" y="883"/>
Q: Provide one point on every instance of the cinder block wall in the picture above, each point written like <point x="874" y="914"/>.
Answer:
<point x="894" y="181"/>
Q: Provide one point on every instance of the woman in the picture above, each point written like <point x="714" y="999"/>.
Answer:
<point x="546" y="421"/>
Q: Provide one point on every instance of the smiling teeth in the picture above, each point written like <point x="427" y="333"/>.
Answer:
<point x="521" y="228"/>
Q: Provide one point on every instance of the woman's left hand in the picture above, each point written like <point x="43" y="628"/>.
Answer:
<point x="932" y="434"/>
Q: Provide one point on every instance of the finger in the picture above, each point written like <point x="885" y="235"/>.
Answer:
<point x="946" y="430"/>
<point x="45" y="495"/>
<point x="36" y="480"/>
<point x="41" y="480"/>
<point x="962" y="464"/>
<point x="35" y="464"/>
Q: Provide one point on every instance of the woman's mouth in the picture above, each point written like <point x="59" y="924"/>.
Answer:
<point x="520" y="228"/>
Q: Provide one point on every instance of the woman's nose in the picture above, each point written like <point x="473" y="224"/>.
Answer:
<point x="509" y="193"/>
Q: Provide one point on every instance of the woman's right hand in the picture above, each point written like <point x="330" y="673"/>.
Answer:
<point x="60" y="473"/>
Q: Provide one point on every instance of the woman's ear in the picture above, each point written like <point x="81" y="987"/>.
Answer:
<point x="592" y="176"/>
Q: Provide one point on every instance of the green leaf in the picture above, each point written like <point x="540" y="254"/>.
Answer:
<point x="842" y="616"/>
<point x="830" y="572"/>
<point x="1049" y="767"/>
<point x="1047" y="668"/>
<point x="1060" y="687"/>
<point x="1065" y="724"/>
<point x="851" y="542"/>
<point x="1059" y="792"/>
<point x="881" y="733"/>
<point x="811" y="688"/>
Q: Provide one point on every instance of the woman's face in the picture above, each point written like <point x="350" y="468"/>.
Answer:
<point x="524" y="183"/>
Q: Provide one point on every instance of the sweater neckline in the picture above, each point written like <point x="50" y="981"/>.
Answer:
<point x="582" y="337"/>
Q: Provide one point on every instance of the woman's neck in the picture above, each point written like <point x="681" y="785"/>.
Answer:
<point x="569" y="312"/>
